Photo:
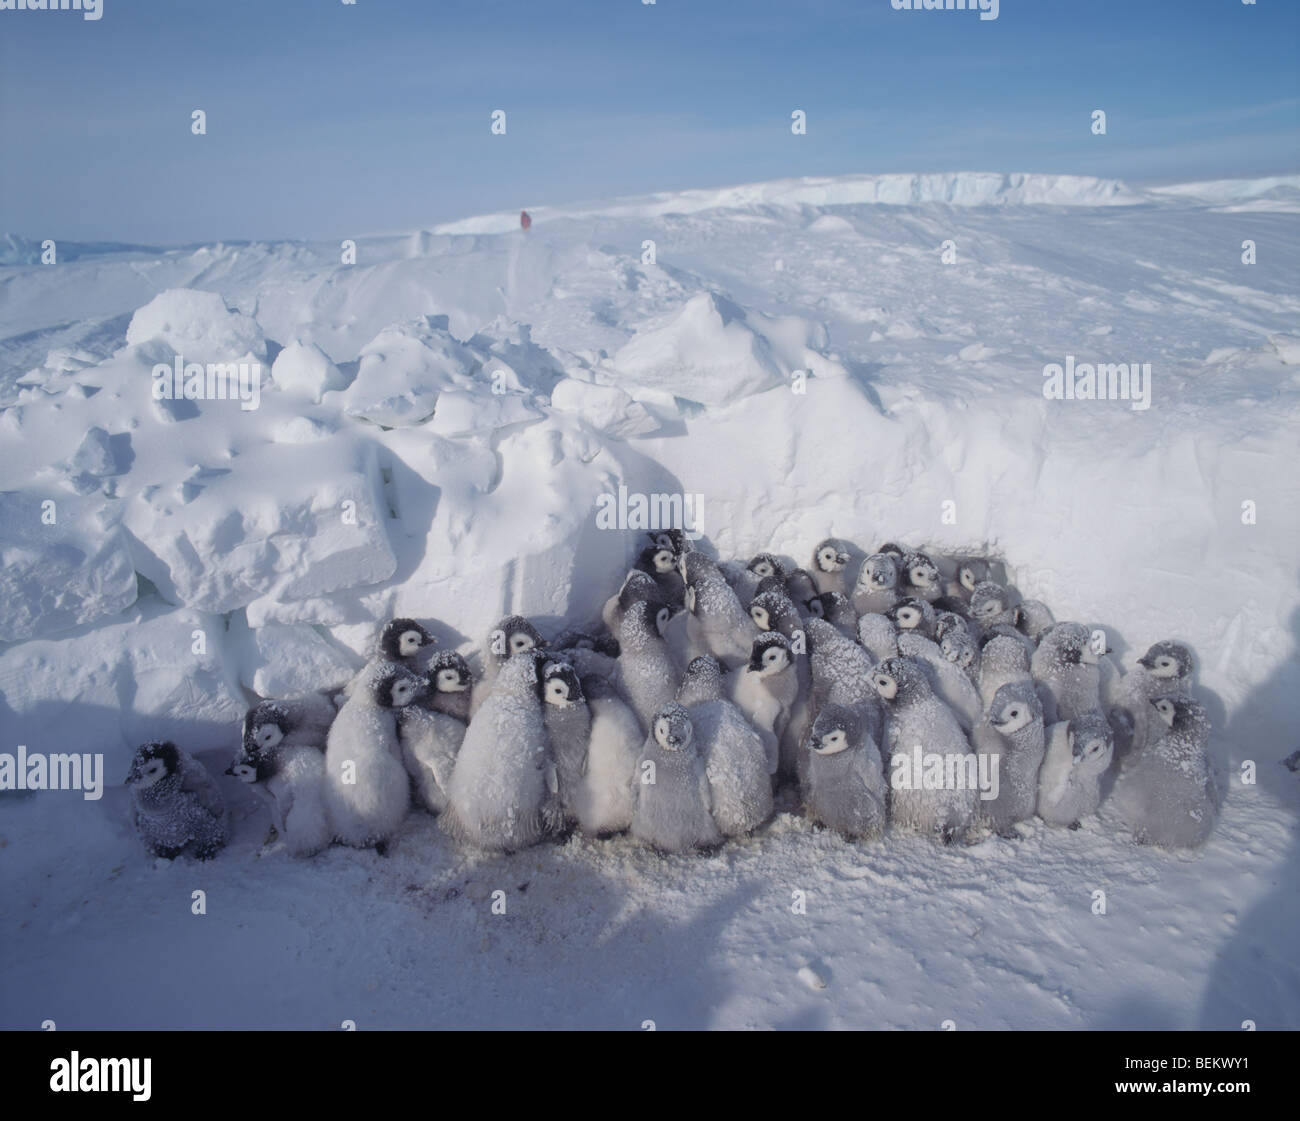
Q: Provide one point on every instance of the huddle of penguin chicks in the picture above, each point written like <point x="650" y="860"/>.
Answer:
<point x="715" y="684"/>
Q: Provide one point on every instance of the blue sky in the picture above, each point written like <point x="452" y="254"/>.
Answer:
<point x="327" y="119"/>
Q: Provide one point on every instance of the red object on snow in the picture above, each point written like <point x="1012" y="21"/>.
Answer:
<point x="524" y="220"/>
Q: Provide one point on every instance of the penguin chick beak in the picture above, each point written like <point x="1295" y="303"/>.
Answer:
<point x="1145" y="662"/>
<point x="230" y="770"/>
<point x="841" y="558"/>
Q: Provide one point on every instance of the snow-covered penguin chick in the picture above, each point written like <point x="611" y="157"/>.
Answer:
<point x="176" y="806"/>
<point x="367" y="790"/>
<point x="403" y="641"/>
<point x="430" y="742"/>
<point x="297" y="722"/>
<point x="673" y="808"/>
<point x="1166" y="793"/>
<point x="718" y="623"/>
<point x="991" y="605"/>
<point x="647" y="672"/>
<point x="513" y="635"/>
<point x="1003" y="659"/>
<point x="844" y="783"/>
<point x="504" y="793"/>
<point x="920" y="724"/>
<point x="607" y="793"/>
<point x="1013" y="732"/>
<point x="737" y="765"/>
<point x="1065" y="669"/>
<point x="829" y="560"/>
<point x="766" y="690"/>
<point x="1165" y="668"/>
<point x="919" y="577"/>
<point x="451" y="685"/>
<point x="292" y="781"/>
<point x="568" y="728"/>
<point x="876" y="590"/>
<point x="1078" y="754"/>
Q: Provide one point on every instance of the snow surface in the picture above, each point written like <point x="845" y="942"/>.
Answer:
<point x="435" y="426"/>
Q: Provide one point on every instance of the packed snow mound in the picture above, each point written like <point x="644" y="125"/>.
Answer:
<point x="709" y="353"/>
<point x="198" y="326"/>
<point x="403" y="370"/>
<point x="220" y="539"/>
<point x="305" y="369"/>
<point x="60" y="566"/>
<point x="958" y="188"/>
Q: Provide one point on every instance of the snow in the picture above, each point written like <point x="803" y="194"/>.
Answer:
<point x="387" y="469"/>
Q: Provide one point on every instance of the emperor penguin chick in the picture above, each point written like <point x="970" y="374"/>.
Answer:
<point x="1078" y="753"/>
<point x="513" y="635"/>
<point x="717" y="623"/>
<point x="736" y="764"/>
<point x="949" y="682"/>
<point x="402" y="641"/>
<point x="1002" y="661"/>
<point x="829" y="561"/>
<point x="176" y="806"/>
<point x="647" y="672"/>
<point x="451" y="685"/>
<point x="991" y="605"/>
<point x="766" y="690"/>
<point x="1166" y="793"/>
<point x="297" y="722"/>
<point x="844" y="783"/>
<point x="367" y="791"/>
<point x="504" y="791"/>
<point x="607" y="792"/>
<point x="1165" y="668"/>
<point x="919" y="577"/>
<point x="568" y="728"/>
<point x="673" y="809"/>
<point x="431" y="742"/>
<point x="1012" y="732"/>
<point x="1065" y="669"/>
<point x="292" y="779"/>
<point x="876" y="590"/>
<point x="920" y="724"/>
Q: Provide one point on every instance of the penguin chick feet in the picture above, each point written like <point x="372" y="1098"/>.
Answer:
<point x="381" y="847"/>
<point x="164" y="853"/>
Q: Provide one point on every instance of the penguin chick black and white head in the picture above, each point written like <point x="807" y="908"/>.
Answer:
<point x="972" y="571"/>
<point x="1183" y="716"/>
<point x="892" y="550"/>
<point x="920" y="573"/>
<point x="449" y="673"/>
<point x="879" y="573"/>
<point x="1170" y="660"/>
<point x="770" y="654"/>
<point x="836" y="729"/>
<point x="513" y="635"/>
<point x="767" y="608"/>
<point x="153" y="762"/>
<point x="988" y="600"/>
<point x="958" y="647"/>
<point x="266" y="724"/>
<point x="831" y="555"/>
<point x="913" y="615"/>
<point x="765" y="566"/>
<point x="1015" y="705"/>
<point x="674" y="539"/>
<point x="1068" y="644"/>
<point x="560" y="685"/>
<point x="899" y="680"/>
<point x="1091" y="742"/>
<point x="397" y="687"/>
<point x="656" y="559"/>
<point x="946" y="621"/>
<point x="402" y="639"/>
<point x="672" y="728"/>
